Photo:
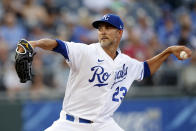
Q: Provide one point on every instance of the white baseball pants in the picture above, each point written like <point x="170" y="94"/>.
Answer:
<point x="65" y="125"/>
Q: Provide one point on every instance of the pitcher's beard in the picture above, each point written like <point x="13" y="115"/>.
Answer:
<point x="105" y="44"/>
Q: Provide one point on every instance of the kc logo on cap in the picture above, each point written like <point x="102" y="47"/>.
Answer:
<point x="111" y="19"/>
<point x="106" y="17"/>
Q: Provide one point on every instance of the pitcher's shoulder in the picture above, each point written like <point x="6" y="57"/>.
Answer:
<point x="128" y="58"/>
<point x="125" y="56"/>
<point x="93" y="46"/>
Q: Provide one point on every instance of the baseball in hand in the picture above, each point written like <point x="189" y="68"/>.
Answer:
<point x="183" y="55"/>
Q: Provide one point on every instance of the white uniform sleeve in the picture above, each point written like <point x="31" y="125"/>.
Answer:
<point x="72" y="52"/>
<point x="139" y="68"/>
<point x="142" y="70"/>
<point x="136" y="69"/>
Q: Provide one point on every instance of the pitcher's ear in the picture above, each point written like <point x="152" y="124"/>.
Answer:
<point x="121" y="32"/>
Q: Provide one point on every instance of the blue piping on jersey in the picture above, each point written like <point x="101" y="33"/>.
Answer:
<point x="62" y="48"/>
<point x="146" y="70"/>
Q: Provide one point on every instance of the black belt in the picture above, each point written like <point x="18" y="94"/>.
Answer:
<point x="81" y="120"/>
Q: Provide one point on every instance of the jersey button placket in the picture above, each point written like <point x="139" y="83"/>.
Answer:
<point x="112" y="77"/>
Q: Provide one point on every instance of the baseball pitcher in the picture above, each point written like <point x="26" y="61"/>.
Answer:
<point x="100" y="75"/>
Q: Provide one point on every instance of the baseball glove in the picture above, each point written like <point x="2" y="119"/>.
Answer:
<point x="23" y="60"/>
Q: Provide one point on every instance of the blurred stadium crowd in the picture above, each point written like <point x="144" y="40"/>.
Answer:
<point x="151" y="26"/>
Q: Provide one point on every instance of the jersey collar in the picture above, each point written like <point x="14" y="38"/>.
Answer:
<point x="102" y="50"/>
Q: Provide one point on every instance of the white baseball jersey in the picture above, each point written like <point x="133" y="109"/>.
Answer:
<point x="97" y="84"/>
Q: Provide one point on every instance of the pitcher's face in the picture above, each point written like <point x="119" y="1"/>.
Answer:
<point x="108" y="34"/>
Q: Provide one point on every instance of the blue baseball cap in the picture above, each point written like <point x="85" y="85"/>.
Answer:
<point x="111" y="19"/>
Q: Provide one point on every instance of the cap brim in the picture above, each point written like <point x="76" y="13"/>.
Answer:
<point x="96" y="23"/>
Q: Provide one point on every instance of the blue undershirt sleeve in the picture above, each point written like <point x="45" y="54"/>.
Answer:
<point x="61" y="48"/>
<point x="147" y="72"/>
